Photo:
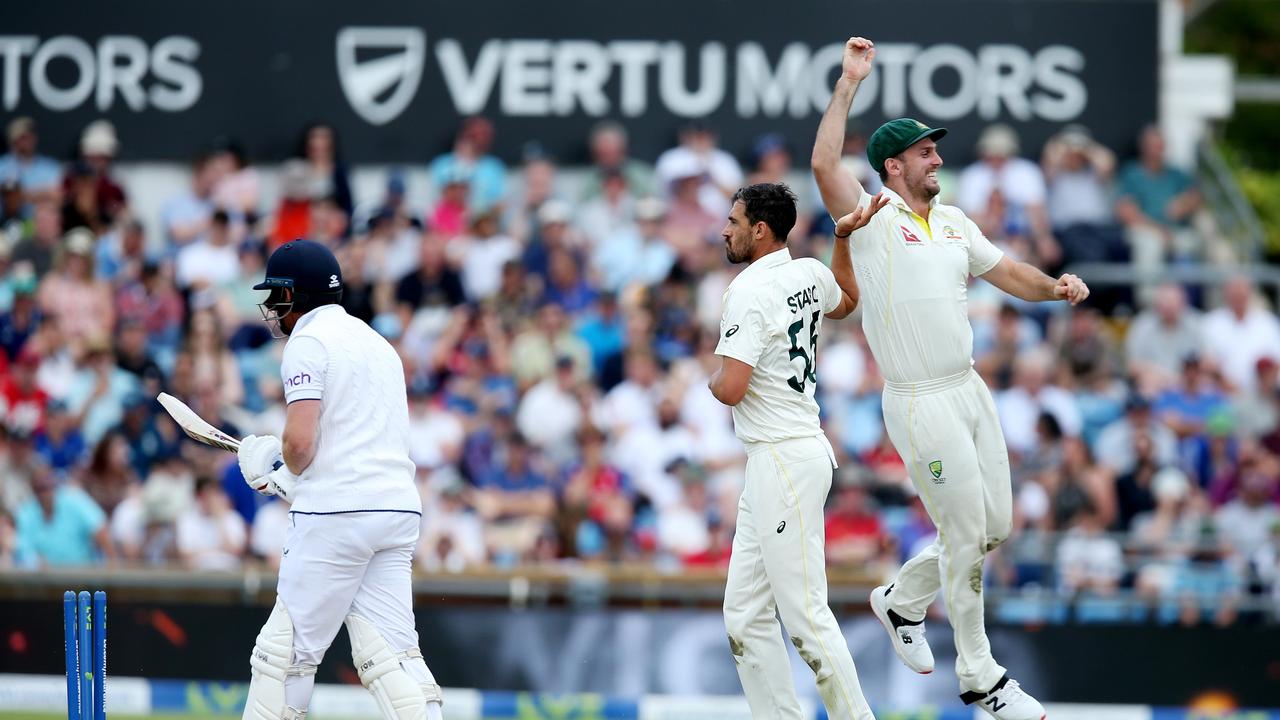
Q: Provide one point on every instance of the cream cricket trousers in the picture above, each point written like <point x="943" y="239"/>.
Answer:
<point x="779" y="564"/>
<point x="948" y="434"/>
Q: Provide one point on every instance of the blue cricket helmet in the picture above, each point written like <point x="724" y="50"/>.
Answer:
<point x="307" y="268"/>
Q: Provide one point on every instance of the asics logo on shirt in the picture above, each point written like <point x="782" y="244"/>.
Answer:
<point x="731" y="331"/>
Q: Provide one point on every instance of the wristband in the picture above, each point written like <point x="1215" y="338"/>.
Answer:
<point x="842" y="237"/>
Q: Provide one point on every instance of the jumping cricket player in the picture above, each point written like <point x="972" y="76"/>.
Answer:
<point x="913" y="259"/>
<point x="344" y="459"/>
<point x="769" y="332"/>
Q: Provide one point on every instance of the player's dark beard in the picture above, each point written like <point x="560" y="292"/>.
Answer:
<point x="916" y="185"/>
<point x="733" y="255"/>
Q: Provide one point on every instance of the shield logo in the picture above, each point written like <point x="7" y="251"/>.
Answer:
<point x="380" y="88"/>
<point x="935" y="467"/>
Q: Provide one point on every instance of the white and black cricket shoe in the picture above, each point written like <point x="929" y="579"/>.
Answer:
<point x="1006" y="701"/>
<point x="907" y="637"/>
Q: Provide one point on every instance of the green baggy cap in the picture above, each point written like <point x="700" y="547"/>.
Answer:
<point x="895" y="136"/>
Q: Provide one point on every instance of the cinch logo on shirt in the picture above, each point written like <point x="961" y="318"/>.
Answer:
<point x="951" y="233"/>
<point x="910" y="238"/>
<point x="299" y="379"/>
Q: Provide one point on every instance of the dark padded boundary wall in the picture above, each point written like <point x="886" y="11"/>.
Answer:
<point x="633" y="652"/>
<point x="395" y="76"/>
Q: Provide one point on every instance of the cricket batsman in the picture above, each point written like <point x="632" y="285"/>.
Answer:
<point x="772" y="317"/>
<point x="344" y="459"/>
<point x="913" y="259"/>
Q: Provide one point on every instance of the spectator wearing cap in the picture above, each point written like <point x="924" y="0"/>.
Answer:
<point x="1119" y="443"/>
<point x="1078" y="171"/>
<point x="1157" y="203"/>
<point x="481" y="254"/>
<point x="25" y="402"/>
<point x="691" y="221"/>
<point x="98" y="389"/>
<point x="1162" y="335"/>
<point x="61" y="525"/>
<point x="73" y="296"/>
<point x="185" y="215"/>
<point x="610" y="157"/>
<point x="59" y="442"/>
<point x="98" y="149"/>
<point x="38" y="175"/>
<point x="20" y="321"/>
<point x="1239" y="334"/>
<point x="697" y="157"/>
<point x="611" y="209"/>
<point x="636" y="256"/>
<point x="470" y="158"/>
<point x="328" y="174"/>
<point x="210" y="534"/>
<point x="1005" y="194"/>
<point x="39" y="246"/>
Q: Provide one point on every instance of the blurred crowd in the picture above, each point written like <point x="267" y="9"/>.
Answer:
<point x="557" y="327"/>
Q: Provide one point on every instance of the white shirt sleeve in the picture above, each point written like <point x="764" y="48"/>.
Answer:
<point x="982" y="254"/>
<point x="303" y="368"/>
<point x="744" y="333"/>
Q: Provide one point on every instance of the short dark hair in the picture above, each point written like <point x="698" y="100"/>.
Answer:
<point x="884" y="172"/>
<point x="774" y="204"/>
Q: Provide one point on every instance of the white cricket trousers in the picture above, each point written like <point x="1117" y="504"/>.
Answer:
<point x="779" y="563"/>
<point x="334" y="565"/>
<point x="948" y="434"/>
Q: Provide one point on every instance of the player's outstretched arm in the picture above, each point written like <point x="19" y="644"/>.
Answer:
<point x="1028" y="283"/>
<point x="841" y="255"/>
<point x="840" y="189"/>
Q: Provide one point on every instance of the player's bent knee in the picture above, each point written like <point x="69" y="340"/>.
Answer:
<point x="272" y="663"/>
<point x="398" y="694"/>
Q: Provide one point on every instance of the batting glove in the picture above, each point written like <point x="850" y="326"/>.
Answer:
<point x="258" y="456"/>
<point x="279" y="482"/>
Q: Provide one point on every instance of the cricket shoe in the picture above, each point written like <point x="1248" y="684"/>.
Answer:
<point x="907" y="637"/>
<point x="1007" y="701"/>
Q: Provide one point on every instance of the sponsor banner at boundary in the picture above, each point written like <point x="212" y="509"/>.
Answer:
<point x="394" y="78"/>
<point x="139" y="696"/>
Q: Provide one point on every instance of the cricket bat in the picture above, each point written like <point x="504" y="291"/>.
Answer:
<point x="195" y="426"/>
